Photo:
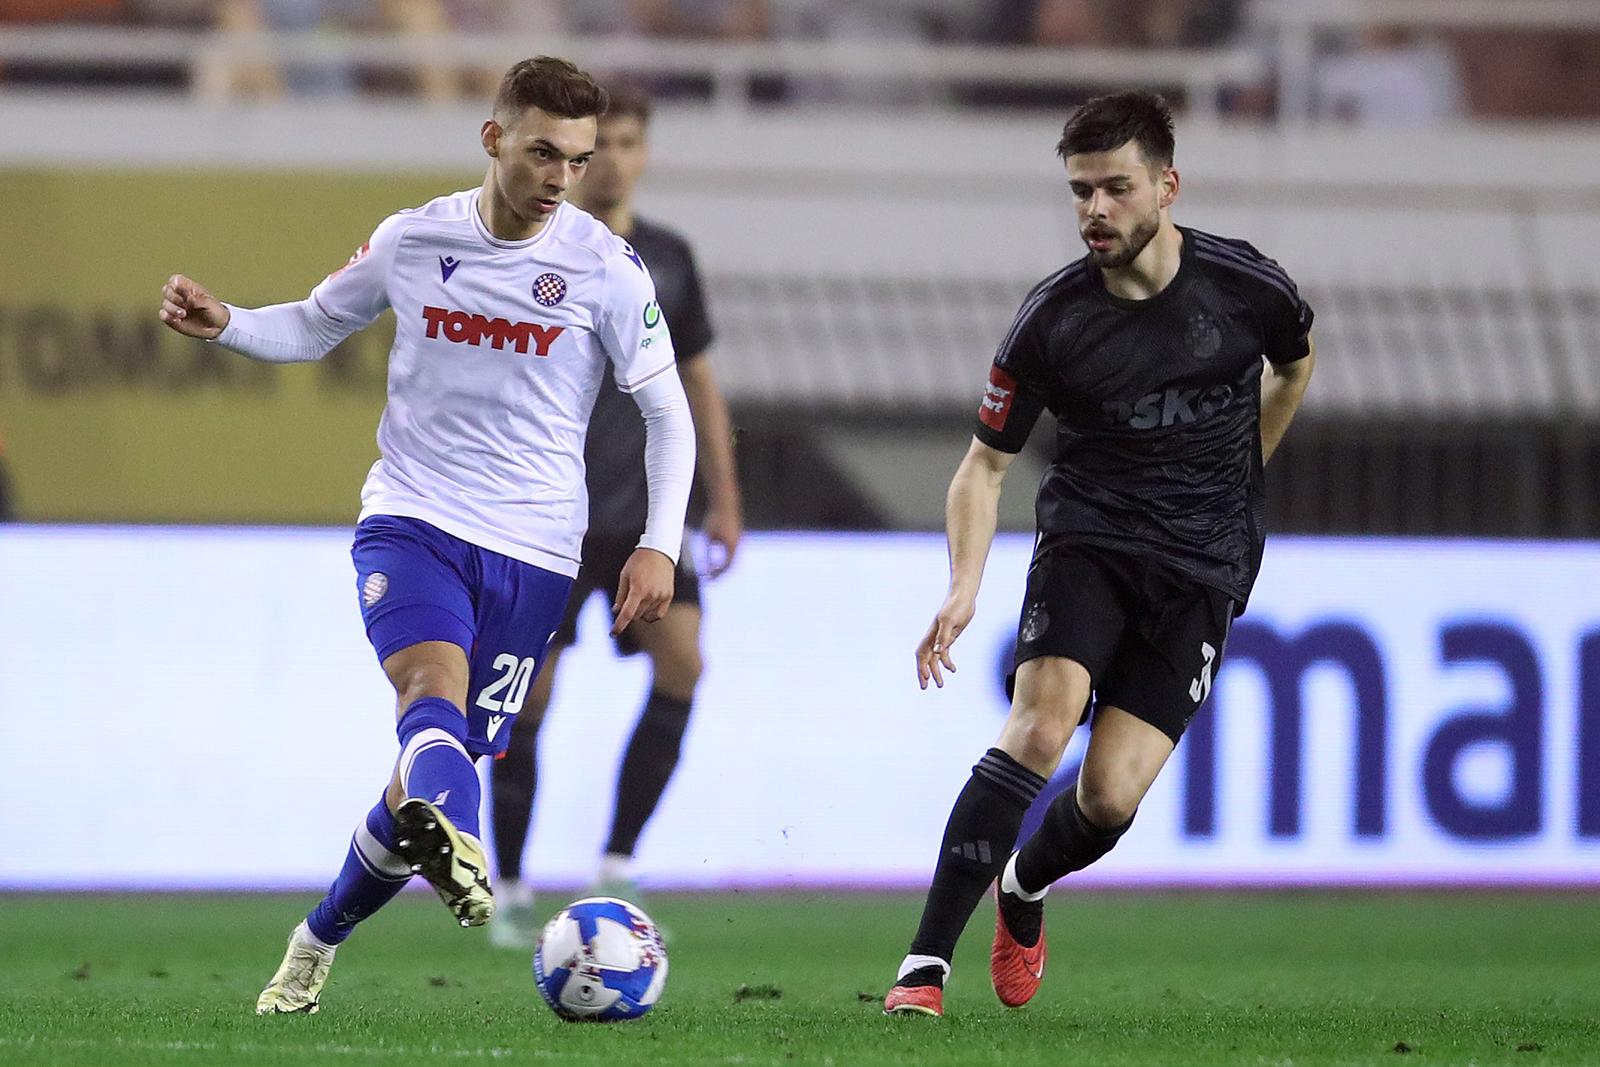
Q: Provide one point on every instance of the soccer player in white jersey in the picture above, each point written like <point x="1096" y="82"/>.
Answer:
<point x="613" y="458"/>
<point x="508" y="303"/>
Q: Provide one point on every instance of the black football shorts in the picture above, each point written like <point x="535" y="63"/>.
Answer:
<point x="1150" y="637"/>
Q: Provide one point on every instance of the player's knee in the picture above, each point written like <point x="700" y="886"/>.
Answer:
<point x="428" y="680"/>
<point x="1107" y="804"/>
<point x="1041" y="739"/>
<point x="678" y="669"/>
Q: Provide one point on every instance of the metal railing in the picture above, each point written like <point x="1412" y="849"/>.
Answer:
<point x="1296" y="24"/>
<point x="1389" y="350"/>
<point x="728" y="67"/>
<point x="1288" y="29"/>
<point x="1526" y="14"/>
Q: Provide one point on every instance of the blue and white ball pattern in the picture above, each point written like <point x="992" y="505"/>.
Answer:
<point x="600" y="959"/>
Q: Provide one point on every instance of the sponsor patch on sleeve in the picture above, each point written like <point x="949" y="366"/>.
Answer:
<point x="996" y="404"/>
<point x="356" y="257"/>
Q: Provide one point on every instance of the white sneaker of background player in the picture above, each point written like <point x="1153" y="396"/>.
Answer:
<point x="297" y="986"/>
<point x="615" y="878"/>
<point x="513" y="924"/>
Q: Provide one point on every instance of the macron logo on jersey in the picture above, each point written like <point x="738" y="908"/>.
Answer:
<point x="996" y="403"/>
<point x="460" y="327"/>
<point x="447" y="266"/>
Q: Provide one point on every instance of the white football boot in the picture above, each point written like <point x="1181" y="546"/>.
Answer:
<point x="297" y="987"/>
<point x="452" y="860"/>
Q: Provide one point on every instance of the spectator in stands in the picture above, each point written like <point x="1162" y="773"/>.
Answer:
<point x="526" y="21"/>
<point x="728" y="20"/>
<point x="226" y="77"/>
<point x="1134" y="23"/>
<point x="1180" y="23"/>
<point x="222" y="76"/>
<point x="174" y="14"/>
<point x="884" y="20"/>
<point x="1040" y="24"/>
<point x="58" y="11"/>
<point x="859" y="25"/>
<point x="1070" y="24"/>
<point x="1521" y="74"/>
<point x="1393" y="77"/>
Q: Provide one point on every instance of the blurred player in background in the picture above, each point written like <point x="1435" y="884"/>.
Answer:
<point x="614" y="459"/>
<point x="1149" y="351"/>
<point x="510" y="304"/>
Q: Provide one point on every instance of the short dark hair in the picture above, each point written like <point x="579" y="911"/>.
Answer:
<point x="552" y="85"/>
<point x="1106" y="123"/>
<point x="629" y="102"/>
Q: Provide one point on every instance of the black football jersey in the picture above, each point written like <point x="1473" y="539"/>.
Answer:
<point x="613" y="453"/>
<point x="1157" y="405"/>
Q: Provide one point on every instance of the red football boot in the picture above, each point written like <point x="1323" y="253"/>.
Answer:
<point x="1015" y="969"/>
<point x="915" y="1000"/>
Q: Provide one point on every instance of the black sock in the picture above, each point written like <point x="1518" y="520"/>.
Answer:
<point x="514" y="779"/>
<point x="1066" y="841"/>
<point x="977" y="842"/>
<point x="647" y="766"/>
<point x="1024" y="919"/>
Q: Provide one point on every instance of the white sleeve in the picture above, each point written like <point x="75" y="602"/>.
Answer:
<point x="281" y="333"/>
<point x="668" y="460"/>
<point x="346" y="300"/>
<point x="633" y="330"/>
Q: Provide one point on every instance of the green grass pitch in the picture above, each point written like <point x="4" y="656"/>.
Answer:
<point x="1271" y="979"/>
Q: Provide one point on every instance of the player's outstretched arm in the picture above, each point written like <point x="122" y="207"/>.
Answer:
<point x="347" y="300"/>
<point x="1283" y="386"/>
<point x="971" y="512"/>
<point x="187" y="307"/>
<point x="282" y="333"/>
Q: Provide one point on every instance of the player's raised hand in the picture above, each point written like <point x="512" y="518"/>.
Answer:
<point x="645" y="589"/>
<point x="933" y="651"/>
<point x="187" y="307"/>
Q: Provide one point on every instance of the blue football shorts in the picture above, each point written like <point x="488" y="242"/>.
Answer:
<point x="416" y="583"/>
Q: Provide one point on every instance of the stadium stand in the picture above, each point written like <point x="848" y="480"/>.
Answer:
<point x="1458" y="292"/>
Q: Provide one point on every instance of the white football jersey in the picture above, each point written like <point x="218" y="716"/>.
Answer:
<point x="499" y="350"/>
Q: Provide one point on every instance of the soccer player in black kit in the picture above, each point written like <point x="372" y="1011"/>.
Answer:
<point x="1173" y="361"/>
<point x="614" y="458"/>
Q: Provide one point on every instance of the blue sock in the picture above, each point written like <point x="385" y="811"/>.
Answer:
<point x="434" y="764"/>
<point x="372" y="875"/>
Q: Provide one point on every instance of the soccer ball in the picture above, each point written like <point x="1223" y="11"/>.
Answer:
<point x="600" y="960"/>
